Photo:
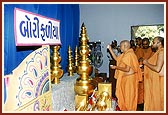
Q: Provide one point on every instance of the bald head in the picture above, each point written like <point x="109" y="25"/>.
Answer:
<point x="160" y="39"/>
<point x="124" y="45"/>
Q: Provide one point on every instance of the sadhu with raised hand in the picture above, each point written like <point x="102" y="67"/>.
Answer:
<point x="128" y="74"/>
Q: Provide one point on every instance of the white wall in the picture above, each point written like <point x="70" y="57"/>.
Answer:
<point x="106" y="22"/>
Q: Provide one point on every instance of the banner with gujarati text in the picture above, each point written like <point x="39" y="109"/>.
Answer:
<point x="35" y="30"/>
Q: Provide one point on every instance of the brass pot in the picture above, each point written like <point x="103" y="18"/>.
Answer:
<point x="84" y="67"/>
<point x="83" y="87"/>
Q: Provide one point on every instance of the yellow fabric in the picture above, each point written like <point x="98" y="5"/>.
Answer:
<point x="141" y="92"/>
<point x="153" y="87"/>
<point x="127" y="86"/>
<point x="139" y="52"/>
<point x="147" y="53"/>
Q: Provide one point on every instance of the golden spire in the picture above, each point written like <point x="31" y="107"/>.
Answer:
<point x="56" y="71"/>
<point x="76" y="59"/>
<point x="83" y="86"/>
<point x="70" y="67"/>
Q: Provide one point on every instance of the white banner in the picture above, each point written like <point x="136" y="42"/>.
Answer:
<point x="35" y="30"/>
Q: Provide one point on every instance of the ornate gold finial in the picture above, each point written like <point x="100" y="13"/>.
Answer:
<point x="102" y="101"/>
<point x="83" y="83"/>
<point x="105" y="94"/>
<point x="76" y="59"/>
<point x="70" y="67"/>
<point x="56" y="71"/>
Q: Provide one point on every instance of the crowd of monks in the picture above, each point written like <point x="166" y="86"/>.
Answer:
<point x="139" y="74"/>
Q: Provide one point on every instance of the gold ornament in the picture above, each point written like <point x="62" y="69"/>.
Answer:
<point x="70" y="67"/>
<point x="102" y="101"/>
<point x="56" y="71"/>
<point x="80" y="102"/>
<point x="105" y="95"/>
<point x="76" y="59"/>
<point x="83" y="83"/>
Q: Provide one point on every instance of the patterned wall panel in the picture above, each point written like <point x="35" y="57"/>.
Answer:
<point x="42" y="103"/>
<point x="29" y="81"/>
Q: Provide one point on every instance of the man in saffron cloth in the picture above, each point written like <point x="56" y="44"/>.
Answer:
<point x="147" y="53"/>
<point x="128" y="74"/>
<point x="154" y="78"/>
<point x="138" y="50"/>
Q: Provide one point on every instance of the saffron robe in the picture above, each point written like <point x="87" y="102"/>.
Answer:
<point x="139" y="52"/>
<point x="127" y="85"/>
<point x="147" y="53"/>
<point x="153" y="87"/>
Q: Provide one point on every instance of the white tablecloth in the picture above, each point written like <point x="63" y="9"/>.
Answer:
<point x="63" y="95"/>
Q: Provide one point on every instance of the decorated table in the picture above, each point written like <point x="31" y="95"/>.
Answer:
<point x="63" y="94"/>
